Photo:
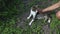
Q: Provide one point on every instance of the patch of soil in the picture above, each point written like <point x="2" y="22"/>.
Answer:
<point x="21" y="23"/>
<point x="21" y="20"/>
<point x="46" y="29"/>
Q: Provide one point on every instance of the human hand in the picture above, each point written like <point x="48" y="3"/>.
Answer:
<point x="40" y="11"/>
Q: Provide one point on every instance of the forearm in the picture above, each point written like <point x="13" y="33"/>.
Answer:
<point x="57" y="5"/>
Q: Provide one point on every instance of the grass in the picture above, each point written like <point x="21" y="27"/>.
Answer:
<point x="7" y="25"/>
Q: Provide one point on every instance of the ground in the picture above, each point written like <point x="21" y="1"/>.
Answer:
<point x="13" y="15"/>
